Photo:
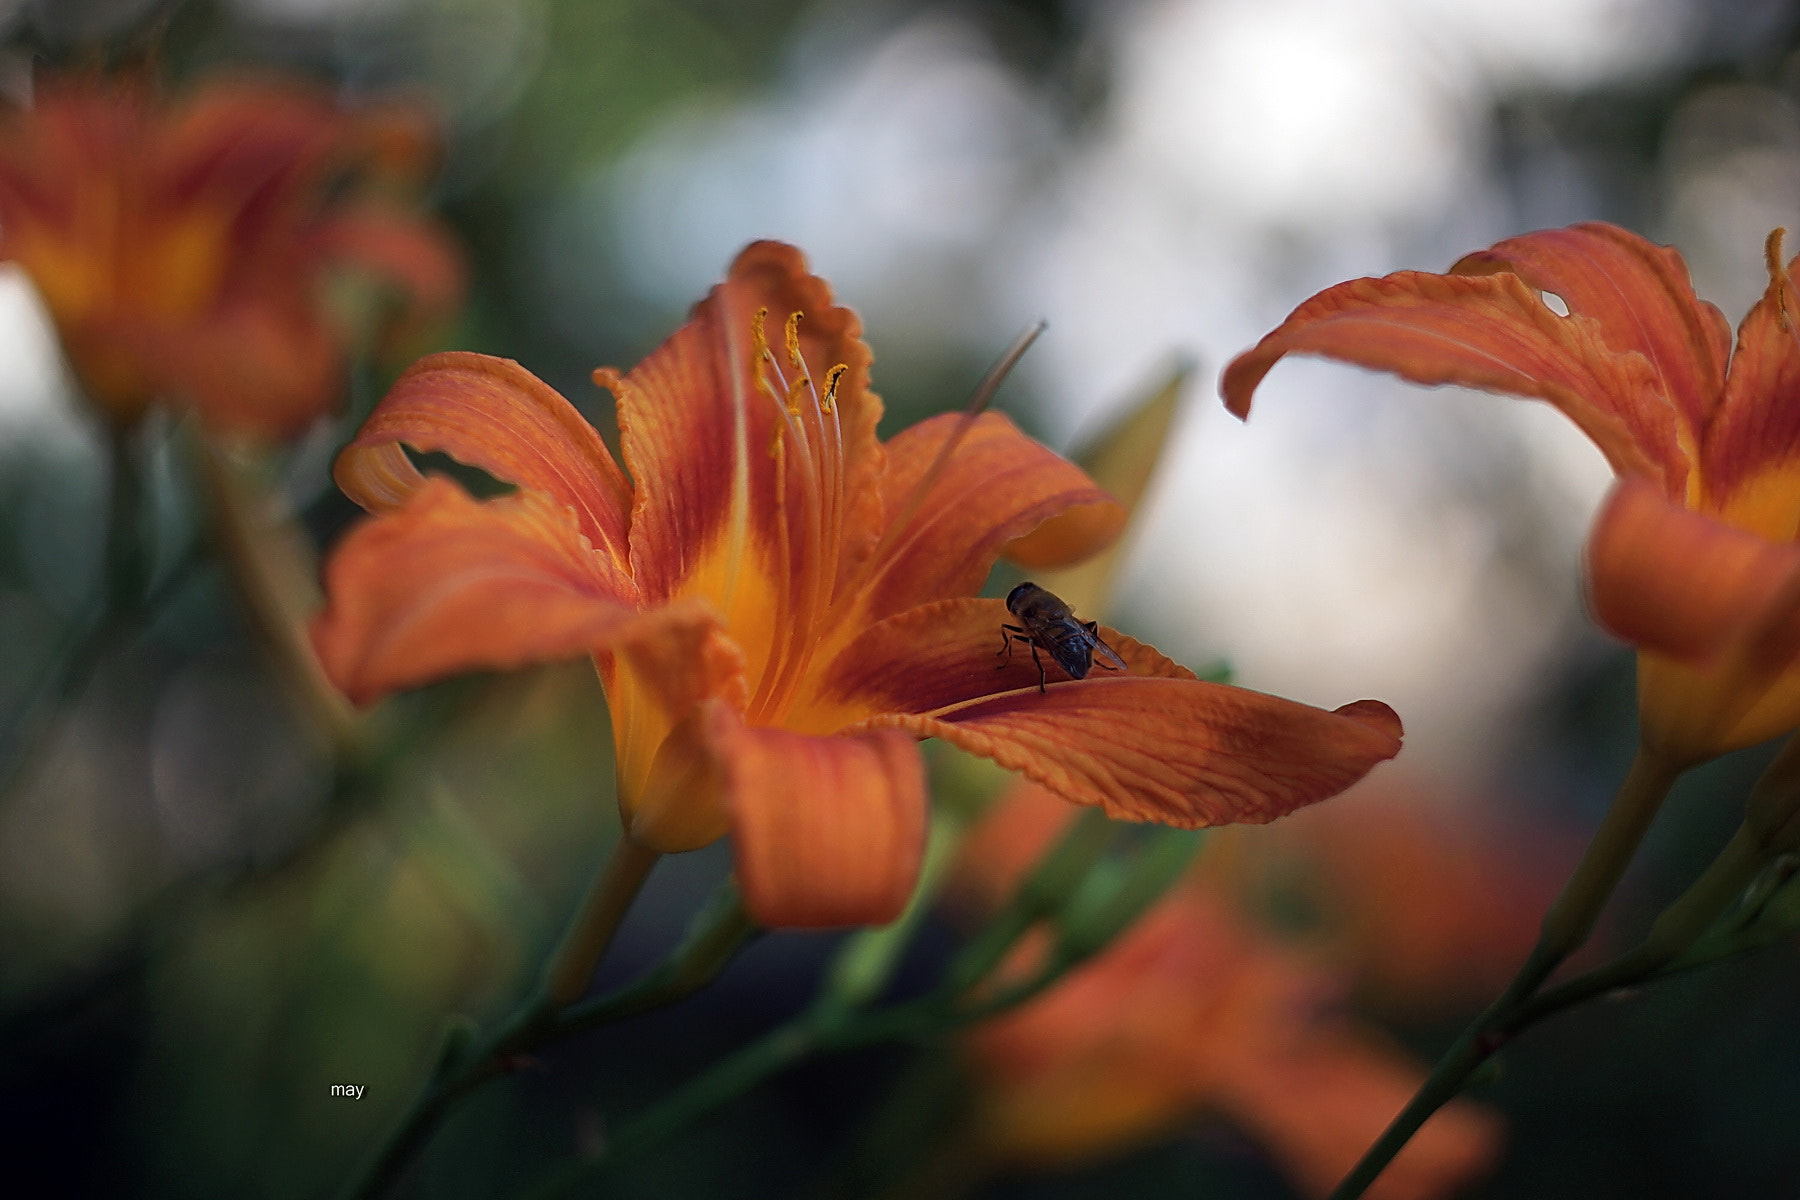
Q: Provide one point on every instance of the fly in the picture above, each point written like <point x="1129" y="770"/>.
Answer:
<point x="1046" y="621"/>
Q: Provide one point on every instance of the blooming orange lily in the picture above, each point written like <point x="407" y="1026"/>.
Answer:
<point x="780" y="604"/>
<point x="1193" y="1011"/>
<point x="185" y="248"/>
<point x="1693" y="558"/>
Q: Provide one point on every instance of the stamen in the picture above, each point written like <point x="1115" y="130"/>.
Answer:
<point x="832" y="378"/>
<point x="793" y="342"/>
<point x="899" y="523"/>
<point x="759" y="353"/>
<point x="759" y="337"/>
<point x="796" y="392"/>
<point x="1778" y="276"/>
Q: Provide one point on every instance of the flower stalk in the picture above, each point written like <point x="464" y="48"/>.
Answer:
<point x="1565" y="929"/>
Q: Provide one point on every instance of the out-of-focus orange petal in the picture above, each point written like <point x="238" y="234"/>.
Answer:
<point x="697" y="431"/>
<point x="289" y="364"/>
<point x="1491" y="332"/>
<point x="1687" y="585"/>
<point x="493" y="414"/>
<point x="406" y="251"/>
<point x="1000" y="491"/>
<point x="1149" y="744"/>
<point x="241" y="137"/>
<point x="1640" y="295"/>
<point x="1431" y="906"/>
<point x="447" y="584"/>
<point x="827" y="831"/>
<point x="1750" y="461"/>
<point x="1322" y="1098"/>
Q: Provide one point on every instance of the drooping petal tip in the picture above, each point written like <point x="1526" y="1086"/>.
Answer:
<point x="827" y="831"/>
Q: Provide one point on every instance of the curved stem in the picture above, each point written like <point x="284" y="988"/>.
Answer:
<point x="1566" y="927"/>
<point x="273" y="579"/>
<point x="569" y="969"/>
<point x="92" y="632"/>
<point x="461" y="1069"/>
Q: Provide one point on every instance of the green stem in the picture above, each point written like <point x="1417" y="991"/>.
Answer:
<point x="128" y="554"/>
<point x="718" y="931"/>
<point x="569" y="970"/>
<point x="1565" y="928"/>
<point x="92" y="632"/>
<point x="832" y="1024"/>
<point x="566" y="975"/>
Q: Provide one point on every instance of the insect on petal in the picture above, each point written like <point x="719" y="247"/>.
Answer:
<point x="1152" y="744"/>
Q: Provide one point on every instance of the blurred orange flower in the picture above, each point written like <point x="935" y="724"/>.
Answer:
<point x="780" y="603"/>
<point x="1429" y="907"/>
<point x="1194" y="1012"/>
<point x="185" y="247"/>
<point x="1693" y="558"/>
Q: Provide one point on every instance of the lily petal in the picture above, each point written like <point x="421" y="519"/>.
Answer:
<point x="493" y="414"/>
<point x="1688" y="585"/>
<point x="1490" y="332"/>
<point x="446" y="583"/>
<point x="697" y="422"/>
<point x="998" y="491"/>
<point x="1640" y="295"/>
<point x="827" y="831"/>
<point x="1318" y="1101"/>
<point x="402" y="249"/>
<point x="672" y="784"/>
<point x="1153" y="743"/>
<point x="1715" y="612"/>
<point x="289" y="362"/>
<point x="1751" y="455"/>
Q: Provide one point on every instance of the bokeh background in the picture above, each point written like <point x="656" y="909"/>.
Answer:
<point x="200" y="930"/>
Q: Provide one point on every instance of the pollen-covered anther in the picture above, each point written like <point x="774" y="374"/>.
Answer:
<point x="1778" y="276"/>
<point x="797" y="393"/>
<point x="832" y="378"/>
<point x="759" y="353"/>
<point x="793" y="342"/>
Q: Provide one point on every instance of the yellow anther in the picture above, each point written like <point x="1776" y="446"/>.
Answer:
<point x="796" y="393"/>
<point x="793" y="342"/>
<point x="831" y="385"/>
<point x="775" y="441"/>
<point x="1778" y="276"/>
<point x="759" y="339"/>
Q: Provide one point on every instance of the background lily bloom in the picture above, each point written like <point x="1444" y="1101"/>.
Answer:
<point x="1427" y="907"/>
<point x="1693" y="557"/>
<point x="185" y="247"/>
<point x="780" y="603"/>
<point x="1193" y="1011"/>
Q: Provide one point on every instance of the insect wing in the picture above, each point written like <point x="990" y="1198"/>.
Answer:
<point x="1105" y="651"/>
<point x="1068" y="643"/>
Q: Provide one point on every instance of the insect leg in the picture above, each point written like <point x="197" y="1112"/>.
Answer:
<point x="1008" y="635"/>
<point x="1039" y="664"/>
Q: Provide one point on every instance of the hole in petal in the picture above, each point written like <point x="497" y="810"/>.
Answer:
<point x="1555" y="303"/>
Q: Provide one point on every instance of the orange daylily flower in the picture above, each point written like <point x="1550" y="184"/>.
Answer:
<point x="1693" y="558"/>
<point x="1193" y="1012"/>
<point x="1428" y="907"/>
<point x="780" y="604"/>
<point x="185" y="247"/>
